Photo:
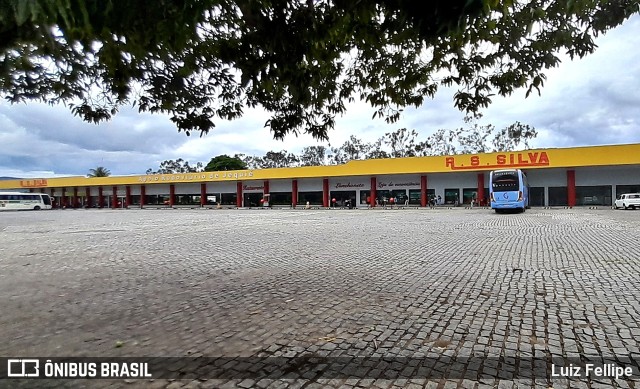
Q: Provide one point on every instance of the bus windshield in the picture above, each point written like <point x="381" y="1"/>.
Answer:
<point x="506" y="182"/>
<point x="46" y="200"/>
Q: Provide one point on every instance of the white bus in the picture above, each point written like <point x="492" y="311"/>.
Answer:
<point x="10" y="201"/>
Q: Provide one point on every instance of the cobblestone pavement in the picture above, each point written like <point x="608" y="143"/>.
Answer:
<point x="416" y="284"/>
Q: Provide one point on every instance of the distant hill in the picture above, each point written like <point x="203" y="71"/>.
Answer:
<point x="9" y="178"/>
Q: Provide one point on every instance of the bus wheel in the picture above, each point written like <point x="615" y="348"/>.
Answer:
<point x="36" y="208"/>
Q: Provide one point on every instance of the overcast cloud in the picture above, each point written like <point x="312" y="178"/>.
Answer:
<point x="592" y="101"/>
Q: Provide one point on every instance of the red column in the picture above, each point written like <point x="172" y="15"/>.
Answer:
<point x="372" y="196"/>
<point x="239" y="194"/>
<point x="325" y="192"/>
<point x="266" y="190"/>
<point x="294" y="193"/>
<point x="172" y="194"/>
<point x="63" y="198"/>
<point x="114" y="198"/>
<point x="100" y="198"/>
<point x="480" y="198"/>
<point x="143" y="194"/>
<point x="571" y="188"/>
<point x="423" y="191"/>
<point x="87" y="194"/>
<point x="75" y="197"/>
<point x="203" y="194"/>
<point x="127" y="196"/>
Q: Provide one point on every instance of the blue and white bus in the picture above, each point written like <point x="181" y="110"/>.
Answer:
<point x="508" y="189"/>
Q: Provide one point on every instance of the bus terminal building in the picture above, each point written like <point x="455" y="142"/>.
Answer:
<point x="579" y="176"/>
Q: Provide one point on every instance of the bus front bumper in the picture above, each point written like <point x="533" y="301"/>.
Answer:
<point x="515" y="205"/>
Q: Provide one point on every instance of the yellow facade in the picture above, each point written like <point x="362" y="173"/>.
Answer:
<point x="615" y="155"/>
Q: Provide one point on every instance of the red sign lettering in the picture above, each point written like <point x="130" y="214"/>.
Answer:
<point x="515" y="160"/>
<point x="33" y="183"/>
<point x="249" y="187"/>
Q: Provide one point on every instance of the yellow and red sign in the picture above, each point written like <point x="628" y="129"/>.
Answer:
<point x="519" y="160"/>
<point x="613" y="155"/>
<point x="36" y="183"/>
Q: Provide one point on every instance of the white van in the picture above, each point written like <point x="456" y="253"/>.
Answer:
<point x="628" y="200"/>
<point x="18" y="201"/>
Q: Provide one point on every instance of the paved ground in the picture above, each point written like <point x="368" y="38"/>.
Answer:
<point x="391" y="284"/>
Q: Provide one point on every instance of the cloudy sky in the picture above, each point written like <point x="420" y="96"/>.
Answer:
<point x="592" y="101"/>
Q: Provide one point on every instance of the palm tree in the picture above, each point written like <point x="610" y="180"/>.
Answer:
<point x="99" y="172"/>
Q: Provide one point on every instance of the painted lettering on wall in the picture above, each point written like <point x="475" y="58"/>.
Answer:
<point x="195" y="176"/>
<point x="398" y="184"/>
<point x="33" y="183"/>
<point x="349" y="185"/>
<point x="521" y="159"/>
<point x="250" y="187"/>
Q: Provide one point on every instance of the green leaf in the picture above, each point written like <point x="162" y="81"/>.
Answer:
<point x="23" y="11"/>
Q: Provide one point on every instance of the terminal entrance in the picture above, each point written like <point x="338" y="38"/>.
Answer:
<point x="469" y="195"/>
<point x="536" y="196"/>
<point x="252" y="199"/>
<point x="345" y="198"/>
<point x="452" y="196"/>
<point x="109" y="202"/>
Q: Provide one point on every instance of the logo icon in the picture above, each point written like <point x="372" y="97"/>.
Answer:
<point x="23" y="368"/>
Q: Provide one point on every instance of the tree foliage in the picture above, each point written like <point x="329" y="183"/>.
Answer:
<point x="353" y="148"/>
<point x="476" y="138"/>
<point x="225" y="162"/>
<point x="176" y="166"/>
<point x="206" y="60"/>
<point x="376" y="150"/>
<point x="100" y="171"/>
<point x="313" y="156"/>
<point x="250" y="161"/>
<point x="403" y="143"/>
<point x="512" y="136"/>
<point x="472" y="139"/>
<point x="276" y="159"/>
